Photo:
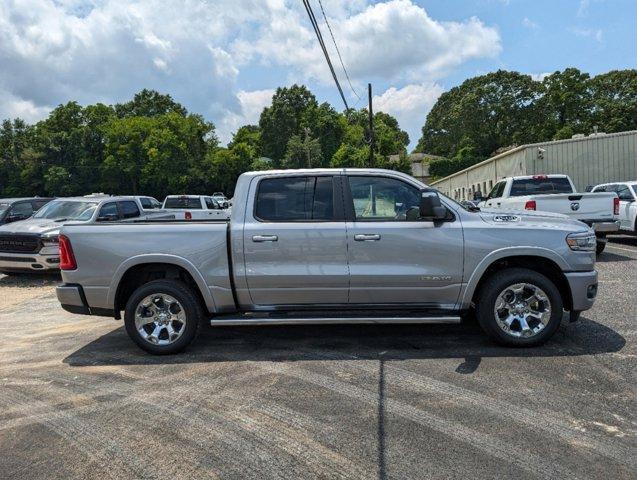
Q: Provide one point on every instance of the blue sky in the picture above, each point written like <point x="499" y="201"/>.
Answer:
<point x="224" y="58"/>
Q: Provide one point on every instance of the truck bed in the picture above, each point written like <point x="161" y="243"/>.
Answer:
<point x="106" y="251"/>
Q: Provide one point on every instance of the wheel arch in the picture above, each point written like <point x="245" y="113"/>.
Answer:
<point x="139" y="270"/>
<point x="547" y="263"/>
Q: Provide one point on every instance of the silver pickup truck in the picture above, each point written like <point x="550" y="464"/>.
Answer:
<point x="332" y="246"/>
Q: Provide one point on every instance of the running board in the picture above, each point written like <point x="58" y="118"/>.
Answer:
<point x="226" y="321"/>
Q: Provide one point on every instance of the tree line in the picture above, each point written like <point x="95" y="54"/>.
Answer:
<point x="152" y="145"/>
<point x="488" y="113"/>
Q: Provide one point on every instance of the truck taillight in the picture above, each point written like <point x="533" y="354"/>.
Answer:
<point x="530" y="205"/>
<point x="188" y="216"/>
<point x="616" y="206"/>
<point x="67" y="259"/>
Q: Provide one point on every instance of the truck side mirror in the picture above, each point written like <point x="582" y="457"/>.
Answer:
<point x="430" y="206"/>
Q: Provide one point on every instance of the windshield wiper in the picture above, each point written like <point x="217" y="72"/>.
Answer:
<point x="61" y="220"/>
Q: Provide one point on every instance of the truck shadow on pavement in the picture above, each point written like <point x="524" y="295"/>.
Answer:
<point x="465" y="342"/>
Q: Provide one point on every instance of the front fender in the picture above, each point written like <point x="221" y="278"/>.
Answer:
<point x="502" y="253"/>
<point x="160" y="258"/>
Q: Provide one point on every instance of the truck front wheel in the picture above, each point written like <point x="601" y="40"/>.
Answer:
<point x="162" y="316"/>
<point x="519" y="307"/>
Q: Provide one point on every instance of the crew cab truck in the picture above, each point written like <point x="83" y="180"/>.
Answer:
<point x="332" y="246"/>
<point x="557" y="194"/>
<point x="31" y="245"/>
<point x="195" y="207"/>
<point x="627" y="194"/>
<point x="16" y="209"/>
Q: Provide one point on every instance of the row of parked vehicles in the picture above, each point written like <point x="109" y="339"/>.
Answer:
<point x="30" y="226"/>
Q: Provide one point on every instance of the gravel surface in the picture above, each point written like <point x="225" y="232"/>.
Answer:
<point x="79" y="400"/>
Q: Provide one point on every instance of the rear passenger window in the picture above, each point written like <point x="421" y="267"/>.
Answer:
<point x="129" y="209"/>
<point x="294" y="199"/>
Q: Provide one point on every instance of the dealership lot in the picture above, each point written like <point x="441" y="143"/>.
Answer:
<point x="79" y="400"/>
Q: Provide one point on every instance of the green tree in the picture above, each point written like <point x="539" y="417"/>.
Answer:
<point x="248" y="134"/>
<point x="149" y="103"/>
<point x="565" y="104"/>
<point x="614" y="98"/>
<point x="283" y="119"/>
<point x="303" y="152"/>
<point x="485" y="112"/>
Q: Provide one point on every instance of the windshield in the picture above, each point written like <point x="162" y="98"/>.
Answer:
<point x="183" y="202"/>
<point x="58" y="210"/>
<point x="540" y="185"/>
<point x="3" y="208"/>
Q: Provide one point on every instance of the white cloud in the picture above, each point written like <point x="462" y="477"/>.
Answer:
<point x="251" y="104"/>
<point x="390" y="40"/>
<point x="530" y="24"/>
<point x="53" y="51"/>
<point x="538" y="77"/>
<point x="595" y="33"/>
<point x="410" y="105"/>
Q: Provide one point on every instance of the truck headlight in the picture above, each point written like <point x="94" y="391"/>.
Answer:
<point x="583" y="242"/>
<point x="51" y="241"/>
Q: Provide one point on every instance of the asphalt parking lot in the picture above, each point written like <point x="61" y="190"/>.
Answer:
<point x="79" y="400"/>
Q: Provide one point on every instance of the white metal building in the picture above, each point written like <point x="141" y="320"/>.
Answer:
<point x="588" y="160"/>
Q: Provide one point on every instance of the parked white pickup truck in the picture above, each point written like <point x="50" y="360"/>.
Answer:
<point x="627" y="194"/>
<point x="557" y="194"/>
<point x="195" y="207"/>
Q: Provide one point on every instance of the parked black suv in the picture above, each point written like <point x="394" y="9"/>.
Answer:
<point x="14" y="209"/>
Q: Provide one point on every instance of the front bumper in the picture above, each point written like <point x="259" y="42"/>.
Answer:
<point x="30" y="262"/>
<point x="583" y="286"/>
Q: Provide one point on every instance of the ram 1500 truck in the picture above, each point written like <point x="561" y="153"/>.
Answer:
<point x="332" y="246"/>
<point x="31" y="245"/>
<point x="557" y="194"/>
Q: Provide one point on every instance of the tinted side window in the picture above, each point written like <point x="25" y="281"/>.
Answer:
<point x="623" y="192"/>
<point x="23" y="209"/>
<point x="497" y="190"/>
<point x="210" y="204"/>
<point x="295" y="199"/>
<point x="109" y="210"/>
<point x="129" y="209"/>
<point x="146" y="203"/>
<point x="382" y="199"/>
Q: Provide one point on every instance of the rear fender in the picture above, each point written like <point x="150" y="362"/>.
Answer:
<point x="161" y="258"/>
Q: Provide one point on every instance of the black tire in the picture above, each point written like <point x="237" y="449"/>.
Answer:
<point x="186" y="298"/>
<point x="600" y="247"/>
<point x="489" y="292"/>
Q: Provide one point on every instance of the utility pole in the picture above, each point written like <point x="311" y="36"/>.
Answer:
<point x="371" y="126"/>
<point x="307" y="147"/>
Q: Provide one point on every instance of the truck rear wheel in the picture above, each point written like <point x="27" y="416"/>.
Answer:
<point x="163" y="316"/>
<point x="519" y="307"/>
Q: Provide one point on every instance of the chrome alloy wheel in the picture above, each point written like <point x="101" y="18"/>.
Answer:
<point x="160" y="319"/>
<point x="522" y="310"/>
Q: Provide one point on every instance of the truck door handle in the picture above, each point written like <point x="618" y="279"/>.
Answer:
<point x="366" y="237"/>
<point x="264" y="238"/>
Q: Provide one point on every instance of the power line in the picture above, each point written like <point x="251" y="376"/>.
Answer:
<point x="338" y="51"/>
<point x="319" y="36"/>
